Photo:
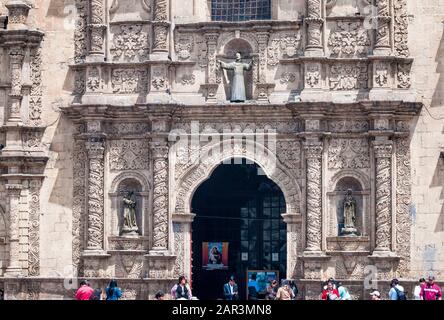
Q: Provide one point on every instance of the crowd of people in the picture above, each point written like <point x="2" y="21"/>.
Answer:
<point x="331" y="290"/>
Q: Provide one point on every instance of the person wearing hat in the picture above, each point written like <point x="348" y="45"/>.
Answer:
<point x="230" y="290"/>
<point x="375" y="295"/>
<point x="431" y="291"/>
<point x="285" y="292"/>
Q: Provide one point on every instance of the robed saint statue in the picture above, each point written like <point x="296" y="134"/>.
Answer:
<point x="238" y="81"/>
<point x="349" y="214"/>
<point x="129" y="214"/>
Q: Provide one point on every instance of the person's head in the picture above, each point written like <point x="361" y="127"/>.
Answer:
<point x="238" y="56"/>
<point x="422" y="281"/>
<point x="182" y="280"/>
<point x="113" y="283"/>
<point x="232" y="281"/>
<point x="375" y="295"/>
<point x="286" y="284"/>
<point x="430" y="280"/>
<point x="330" y="285"/>
<point x="160" y="295"/>
<point x="394" y="283"/>
<point x="274" y="283"/>
<point x="84" y="283"/>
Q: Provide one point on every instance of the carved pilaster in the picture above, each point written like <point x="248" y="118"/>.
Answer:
<point x="18" y="14"/>
<point x="314" y="22"/>
<point x="383" y="22"/>
<point x="95" y="149"/>
<point x="160" y="26"/>
<point x="313" y="154"/>
<point x="263" y="44"/>
<point x="34" y="228"/>
<point x="13" y="192"/>
<point x="16" y="55"/>
<point x="159" y="150"/>
<point x="96" y="28"/>
<point x="211" y="39"/>
<point x="383" y="163"/>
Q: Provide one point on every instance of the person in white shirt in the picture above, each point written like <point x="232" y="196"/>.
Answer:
<point x="417" y="291"/>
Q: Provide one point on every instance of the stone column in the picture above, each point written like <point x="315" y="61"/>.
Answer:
<point x="13" y="191"/>
<point x="95" y="149"/>
<point x="313" y="153"/>
<point x="383" y="164"/>
<point x="383" y="20"/>
<point x="16" y="55"/>
<point x="160" y="26"/>
<point x="159" y="150"/>
<point x="18" y="14"/>
<point x="96" y="28"/>
<point x="314" y="28"/>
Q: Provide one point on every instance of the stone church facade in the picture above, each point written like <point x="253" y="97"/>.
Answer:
<point x="92" y="94"/>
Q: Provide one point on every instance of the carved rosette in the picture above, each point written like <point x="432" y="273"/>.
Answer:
<point x="160" y="195"/>
<point x="313" y="153"/>
<point x="96" y="151"/>
<point x="13" y="193"/>
<point x="34" y="229"/>
<point x="383" y="162"/>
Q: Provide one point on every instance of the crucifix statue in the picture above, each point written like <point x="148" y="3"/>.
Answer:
<point x="238" y="81"/>
<point x="349" y="214"/>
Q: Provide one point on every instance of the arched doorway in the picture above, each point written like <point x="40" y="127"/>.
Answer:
<point x="241" y="207"/>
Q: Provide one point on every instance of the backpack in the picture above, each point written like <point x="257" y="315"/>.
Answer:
<point x="401" y="294"/>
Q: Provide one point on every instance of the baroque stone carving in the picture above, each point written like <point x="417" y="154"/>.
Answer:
<point x="178" y="249"/>
<point x="128" y="154"/>
<point x="381" y="75"/>
<point x="312" y="76"/>
<point x="403" y="202"/>
<point x="403" y="75"/>
<point x="93" y="82"/>
<point x="313" y="154"/>
<point x="349" y="76"/>
<point x="344" y="126"/>
<point x="129" y="80"/>
<point x="35" y="99"/>
<point x="34" y="229"/>
<point x="349" y="39"/>
<point x="188" y="79"/>
<point x="123" y="128"/>
<point x="401" y="28"/>
<point x="184" y="46"/>
<point x="383" y="196"/>
<point x="95" y="195"/>
<point x="130" y="43"/>
<point x="283" y="45"/>
<point x="80" y="38"/>
<point x="160" y="196"/>
<point x="287" y="77"/>
<point x="348" y="153"/>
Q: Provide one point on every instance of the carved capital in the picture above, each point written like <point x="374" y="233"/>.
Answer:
<point x="383" y="150"/>
<point x="18" y="14"/>
<point x="14" y="190"/>
<point x="159" y="149"/>
<point x="313" y="150"/>
<point x="95" y="149"/>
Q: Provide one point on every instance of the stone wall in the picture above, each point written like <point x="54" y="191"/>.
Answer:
<point x="427" y="212"/>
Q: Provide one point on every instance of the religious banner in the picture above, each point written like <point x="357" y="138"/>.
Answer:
<point x="215" y="255"/>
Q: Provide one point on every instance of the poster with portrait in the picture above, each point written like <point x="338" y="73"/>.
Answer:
<point x="215" y="255"/>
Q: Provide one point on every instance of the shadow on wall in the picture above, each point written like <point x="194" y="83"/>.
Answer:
<point x="438" y="102"/>
<point x="61" y="149"/>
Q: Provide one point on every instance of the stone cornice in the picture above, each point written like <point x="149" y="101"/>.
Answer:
<point x="20" y="37"/>
<point x="257" y="25"/>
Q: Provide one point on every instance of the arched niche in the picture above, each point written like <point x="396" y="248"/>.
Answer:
<point x="122" y="184"/>
<point x="227" y="53"/>
<point x="360" y="188"/>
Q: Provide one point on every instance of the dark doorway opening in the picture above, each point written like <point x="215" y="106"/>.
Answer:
<point x="239" y="205"/>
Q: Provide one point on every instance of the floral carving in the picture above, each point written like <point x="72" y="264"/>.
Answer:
<point x="287" y="77"/>
<point x="401" y="28"/>
<point x="35" y="101"/>
<point x="349" y="39"/>
<point x="80" y="44"/>
<point x="129" y="80"/>
<point x="184" y="46"/>
<point x="349" y="76"/>
<point x="93" y="83"/>
<point x="312" y="75"/>
<point x="403" y="76"/>
<point x="130" y="42"/>
<point x="348" y="153"/>
<point x="188" y="79"/>
<point x="128" y="155"/>
<point x="381" y="75"/>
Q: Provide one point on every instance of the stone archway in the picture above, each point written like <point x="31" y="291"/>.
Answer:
<point x="192" y="175"/>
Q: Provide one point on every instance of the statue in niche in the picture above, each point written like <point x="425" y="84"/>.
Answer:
<point x="129" y="214"/>
<point x="349" y="214"/>
<point x="238" y="81"/>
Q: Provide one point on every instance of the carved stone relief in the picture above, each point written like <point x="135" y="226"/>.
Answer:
<point x="128" y="154"/>
<point x="348" y="154"/>
<point x="130" y="43"/>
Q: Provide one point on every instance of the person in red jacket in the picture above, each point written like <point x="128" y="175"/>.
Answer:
<point x="430" y="290"/>
<point x="330" y="293"/>
<point x="85" y="291"/>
